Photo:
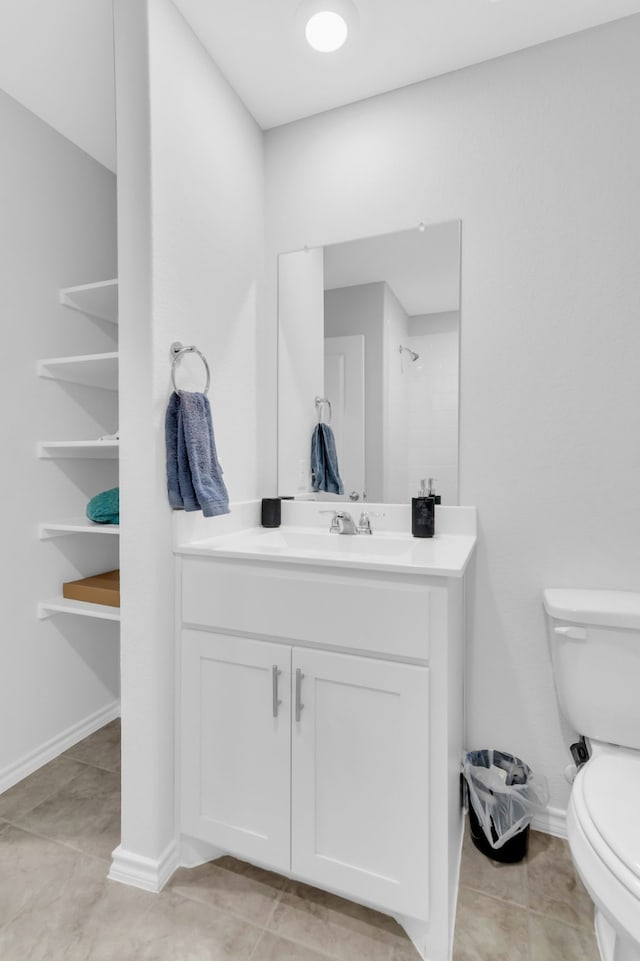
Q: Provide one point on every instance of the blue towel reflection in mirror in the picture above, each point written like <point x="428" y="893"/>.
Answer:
<point x="325" y="475"/>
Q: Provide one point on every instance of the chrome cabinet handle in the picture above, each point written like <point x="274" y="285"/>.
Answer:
<point x="274" y="688"/>
<point x="299" y="704"/>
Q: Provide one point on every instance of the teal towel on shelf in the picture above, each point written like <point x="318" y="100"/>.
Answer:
<point x="104" y="508"/>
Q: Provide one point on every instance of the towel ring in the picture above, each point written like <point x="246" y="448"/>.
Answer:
<point x="177" y="351"/>
<point x="320" y="401"/>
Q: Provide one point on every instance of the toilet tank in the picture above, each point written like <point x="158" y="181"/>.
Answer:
<point x="595" y="649"/>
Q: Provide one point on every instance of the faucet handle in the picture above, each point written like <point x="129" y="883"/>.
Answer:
<point x="335" y="524"/>
<point x="364" y="524"/>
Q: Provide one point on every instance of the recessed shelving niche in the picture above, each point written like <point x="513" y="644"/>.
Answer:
<point x="75" y="525"/>
<point x="100" y="370"/>
<point x="91" y="370"/>
<point x="97" y="300"/>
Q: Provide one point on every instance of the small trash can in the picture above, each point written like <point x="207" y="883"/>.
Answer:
<point x="504" y="795"/>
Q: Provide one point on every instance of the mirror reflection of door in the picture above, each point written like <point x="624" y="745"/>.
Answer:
<point x="344" y="384"/>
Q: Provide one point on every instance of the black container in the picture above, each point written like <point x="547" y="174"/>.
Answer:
<point x="423" y="513"/>
<point x="271" y="511"/>
<point x="513" y="850"/>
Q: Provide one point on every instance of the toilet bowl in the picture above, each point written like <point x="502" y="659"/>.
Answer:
<point x="603" y="829"/>
<point x="595" y="648"/>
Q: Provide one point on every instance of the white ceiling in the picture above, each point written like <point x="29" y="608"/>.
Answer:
<point x="259" y="46"/>
<point x="56" y="56"/>
<point x="421" y="267"/>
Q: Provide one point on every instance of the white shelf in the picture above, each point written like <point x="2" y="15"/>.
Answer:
<point x="100" y="449"/>
<point x="91" y="370"/>
<point x="98" y="300"/>
<point x="60" y="605"/>
<point x="74" y="525"/>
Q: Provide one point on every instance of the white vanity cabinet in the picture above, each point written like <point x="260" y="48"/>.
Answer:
<point x="236" y="745"/>
<point x="321" y="724"/>
<point x="305" y="760"/>
<point x="359" y="813"/>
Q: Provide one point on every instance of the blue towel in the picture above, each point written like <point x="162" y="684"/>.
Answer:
<point x="104" y="508"/>
<point x="325" y="475"/>
<point x="194" y="474"/>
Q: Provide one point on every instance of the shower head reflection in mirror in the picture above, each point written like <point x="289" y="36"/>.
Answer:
<point x="345" y="311"/>
<point x="412" y="354"/>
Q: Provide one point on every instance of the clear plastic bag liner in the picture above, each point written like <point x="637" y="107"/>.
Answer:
<point x="504" y="792"/>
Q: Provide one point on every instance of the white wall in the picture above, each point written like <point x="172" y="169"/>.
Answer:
<point x="537" y="154"/>
<point x="433" y="403"/>
<point x="190" y="194"/>
<point x="57" y="228"/>
<point x="396" y="397"/>
<point x="359" y="310"/>
<point x="300" y="364"/>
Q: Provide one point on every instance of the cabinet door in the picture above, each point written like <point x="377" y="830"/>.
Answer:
<point x="236" y="742"/>
<point x="360" y="804"/>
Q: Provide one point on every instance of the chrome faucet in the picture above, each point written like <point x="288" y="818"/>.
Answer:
<point x="341" y="523"/>
<point x="364" y="524"/>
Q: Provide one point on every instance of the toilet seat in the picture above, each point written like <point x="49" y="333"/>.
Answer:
<point x="603" y="825"/>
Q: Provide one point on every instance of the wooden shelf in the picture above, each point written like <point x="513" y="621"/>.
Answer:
<point x="74" y="525"/>
<point x="99" y="449"/>
<point x="97" y="300"/>
<point x="91" y="370"/>
<point x="60" y="605"/>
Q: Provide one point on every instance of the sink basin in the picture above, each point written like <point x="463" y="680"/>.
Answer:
<point x="388" y="551"/>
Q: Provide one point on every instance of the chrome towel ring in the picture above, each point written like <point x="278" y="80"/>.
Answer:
<point x="177" y="351"/>
<point x="320" y="404"/>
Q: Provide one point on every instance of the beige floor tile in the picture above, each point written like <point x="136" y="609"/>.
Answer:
<point x="488" y="929"/>
<point x="101" y="749"/>
<point x="32" y="868"/>
<point x="334" y="926"/>
<point x="272" y="948"/>
<point x="553" y="940"/>
<point x="233" y="886"/>
<point x="179" y="929"/>
<point x="505" y="881"/>
<point x="84" y="814"/>
<point x="555" y="889"/>
<point x="405" y="951"/>
<point x="39" y="786"/>
<point x="42" y="884"/>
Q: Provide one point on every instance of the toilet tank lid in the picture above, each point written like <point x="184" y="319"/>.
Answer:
<point x="605" y="608"/>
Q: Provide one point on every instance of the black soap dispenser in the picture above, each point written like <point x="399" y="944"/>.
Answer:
<point x="423" y="513"/>
<point x="432" y="491"/>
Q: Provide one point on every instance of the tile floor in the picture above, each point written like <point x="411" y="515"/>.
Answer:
<point x="59" y="826"/>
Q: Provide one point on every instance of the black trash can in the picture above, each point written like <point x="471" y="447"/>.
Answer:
<point x="503" y="796"/>
<point x="511" y="851"/>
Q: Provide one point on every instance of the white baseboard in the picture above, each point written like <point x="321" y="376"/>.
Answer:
<point x="551" y="821"/>
<point x="141" y="872"/>
<point x="57" y="745"/>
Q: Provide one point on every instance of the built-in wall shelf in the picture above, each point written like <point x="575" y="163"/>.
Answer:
<point x="60" y="605"/>
<point x="98" y="300"/>
<point x="97" y="370"/>
<point x="91" y="370"/>
<point x="100" y="449"/>
<point x="75" y="525"/>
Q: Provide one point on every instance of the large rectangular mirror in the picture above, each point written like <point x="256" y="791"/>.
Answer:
<point x="369" y="343"/>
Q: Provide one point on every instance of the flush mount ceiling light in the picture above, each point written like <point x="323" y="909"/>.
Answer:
<point x="326" y="31"/>
<point x="326" y="24"/>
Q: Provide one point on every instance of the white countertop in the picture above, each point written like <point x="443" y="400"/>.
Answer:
<point x="444" y="555"/>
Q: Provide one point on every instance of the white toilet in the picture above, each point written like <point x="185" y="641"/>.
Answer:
<point x="595" y="647"/>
